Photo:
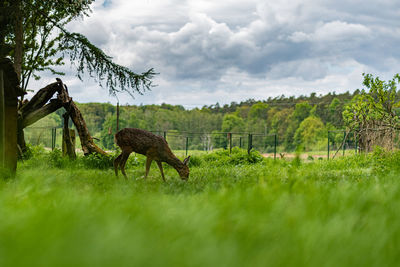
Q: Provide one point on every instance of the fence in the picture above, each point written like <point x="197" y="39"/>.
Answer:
<point x="180" y="142"/>
<point x="346" y="143"/>
<point x="220" y="140"/>
<point x="341" y="143"/>
<point x="48" y="137"/>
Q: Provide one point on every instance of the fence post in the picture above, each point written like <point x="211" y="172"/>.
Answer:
<point x="250" y="143"/>
<point x="328" y="144"/>
<point x="240" y="142"/>
<point x="165" y="135"/>
<point x="344" y="142"/>
<point x="52" y="138"/>
<point x="275" y="144"/>
<point x="187" y="144"/>
<point x="230" y="142"/>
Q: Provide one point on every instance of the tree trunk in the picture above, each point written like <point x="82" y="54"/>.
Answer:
<point x="88" y="146"/>
<point x="69" y="146"/>
<point x="36" y="108"/>
<point x="42" y="112"/>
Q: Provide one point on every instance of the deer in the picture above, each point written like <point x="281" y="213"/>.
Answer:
<point x="152" y="146"/>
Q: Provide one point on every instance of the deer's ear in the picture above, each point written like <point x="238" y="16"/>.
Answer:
<point x="186" y="161"/>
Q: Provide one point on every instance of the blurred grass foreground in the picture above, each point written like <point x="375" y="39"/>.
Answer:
<point x="235" y="210"/>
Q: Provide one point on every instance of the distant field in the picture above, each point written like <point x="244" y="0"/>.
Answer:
<point x="343" y="212"/>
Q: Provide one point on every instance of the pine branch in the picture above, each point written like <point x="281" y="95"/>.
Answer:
<point x="90" y="59"/>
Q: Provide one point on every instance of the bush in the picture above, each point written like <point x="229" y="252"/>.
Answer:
<point x="56" y="159"/>
<point x="97" y="161"/>
<point x="195" y="161"/>
<point x="237" y="157"/>
<point x="385" y="161"/>
<point x="33" y="151"/>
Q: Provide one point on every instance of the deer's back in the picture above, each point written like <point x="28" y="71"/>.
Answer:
<point x="142" y="142"/>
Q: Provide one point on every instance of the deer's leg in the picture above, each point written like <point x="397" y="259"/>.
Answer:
<point x="122" y="163"/>
<point x="148" y="164"/>
<point x="116" y="164"/>
<point x="161" y="169"/>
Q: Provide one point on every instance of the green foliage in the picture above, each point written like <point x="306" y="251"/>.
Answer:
<point x="92" y="60"/>
<point x="97" y="161"/>
<point x="56" y="159"/>
<point x="301" y="111"/>
<point x="237" y="157"/>
<point x="219" y="139"/>
<point x="385" y="161"/>
<point x="375" y="107"/>
<point x="175" y="139"/>
<point x="33" y="151"/>
<point x="282" y="115"/>
<point x="310" y="131"/>
<point x="109" y="129"/>
<point x="341" y="212"/>
<point x="259" y="111"/>
<point x="232" y="123"/>
<point x="196" y="161"/>
<point x="46" y="42"/>
<point x="40" y="20"/>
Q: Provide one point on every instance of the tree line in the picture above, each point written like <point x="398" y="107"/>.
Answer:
<point x="297" y="121"/>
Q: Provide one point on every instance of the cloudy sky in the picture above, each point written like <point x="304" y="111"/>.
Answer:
<point x="209" y="51"/>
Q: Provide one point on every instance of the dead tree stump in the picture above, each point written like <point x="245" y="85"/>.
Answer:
<point x="68" y="140"/>
<point x="9" y="92"/>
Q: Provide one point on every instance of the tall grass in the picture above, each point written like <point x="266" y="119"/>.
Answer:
<point x="231" y="212"/>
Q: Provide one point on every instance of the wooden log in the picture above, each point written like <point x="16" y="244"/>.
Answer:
<point x="40" y="98"/>
<point x="68" y="141"/>
<point x="38" y="108"/>
<point x="87" y="143"/>
<point x="42" y="112"/>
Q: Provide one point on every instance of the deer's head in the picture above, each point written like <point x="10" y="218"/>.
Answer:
<point x="184" y="170"/>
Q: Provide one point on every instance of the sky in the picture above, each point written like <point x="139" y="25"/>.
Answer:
<point x="208" y="51"/>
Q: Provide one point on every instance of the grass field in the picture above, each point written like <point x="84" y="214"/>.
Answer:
<point x="231" y="212"/>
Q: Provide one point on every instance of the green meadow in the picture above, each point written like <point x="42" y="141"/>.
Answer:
<point x="235" y="210"/>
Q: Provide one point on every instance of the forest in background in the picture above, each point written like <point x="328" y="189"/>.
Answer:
<point x="297" y="121"/>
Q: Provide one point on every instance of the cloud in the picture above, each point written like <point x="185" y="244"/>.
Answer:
<point x="209" y="51"/>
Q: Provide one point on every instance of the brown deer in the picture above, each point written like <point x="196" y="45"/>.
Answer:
<point x="154" y="147"/>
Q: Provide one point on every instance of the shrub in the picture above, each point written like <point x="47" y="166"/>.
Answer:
<point x="56" y="159"/>
<point x="385" y="161"/>
<point x="33" y="151"/>
<point x="97" y="161"/>
<point x="237" y="157"/>
<point x="195" y="161"/>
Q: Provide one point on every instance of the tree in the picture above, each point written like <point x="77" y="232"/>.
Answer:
<point x="301" y="111"/>
<point x="232" y="123"/>
<point x="335" y="112"/>
<point x="372" y="115"/>
<point x="259" y="111"/>
<point x="110" y="127"/>
<point x="39" y="41"/>
<point x="310" y="132"/>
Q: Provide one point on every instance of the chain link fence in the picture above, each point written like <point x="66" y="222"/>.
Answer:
<point x="48" y="137"/>
<point x="339" y="143"/>
<point x="343" y="143"/>
<point x="181" y="143"/>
